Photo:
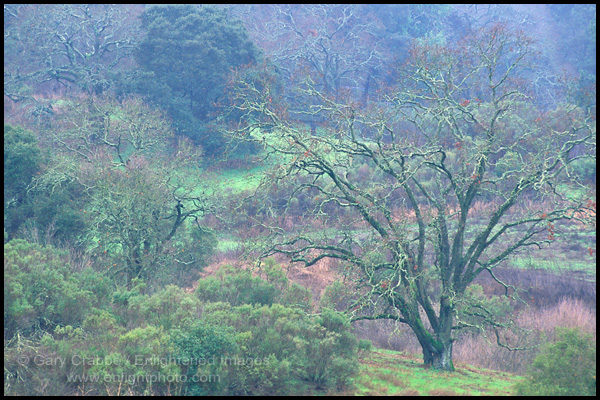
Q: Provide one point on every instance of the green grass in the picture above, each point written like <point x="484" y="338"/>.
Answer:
<point x="387" y="372"/>
<point x="236" y="181"/>
<point x="227" y="243"/>
<point x="555" y="266"/>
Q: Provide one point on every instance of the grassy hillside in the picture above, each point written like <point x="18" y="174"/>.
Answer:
<point x="386" y="372"/>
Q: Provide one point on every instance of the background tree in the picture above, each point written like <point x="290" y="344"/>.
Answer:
<point x="400" y="24"/>
<point x="131" y="168"/>
<point x="334" y="42"/>
<point x="457" y="130"/>
<point x="337" y="44"/>
<point x="186" y="54"/>
<point x="74" y="45"/>
<point x="38" y="215"/>
<point x="21" y="162"/>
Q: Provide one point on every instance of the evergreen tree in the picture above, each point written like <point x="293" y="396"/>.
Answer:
<point x="186" y="56"/>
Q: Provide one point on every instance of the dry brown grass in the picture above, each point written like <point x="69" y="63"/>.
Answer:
<point x="568" y="312"/>
<point x="540" y="325"/>
<point x="316" y="277"/>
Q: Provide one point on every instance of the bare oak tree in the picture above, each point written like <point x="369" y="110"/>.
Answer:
<point x="72" y="44"/>
<point x="132" y="169"/>
<point x="336" y="43"/>
<point x="446" y="176"/>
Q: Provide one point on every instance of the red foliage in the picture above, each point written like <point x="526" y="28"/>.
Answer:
<point x="550" y="231"/>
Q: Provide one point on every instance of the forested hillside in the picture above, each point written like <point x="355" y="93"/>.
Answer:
<point x="299" y="199"/>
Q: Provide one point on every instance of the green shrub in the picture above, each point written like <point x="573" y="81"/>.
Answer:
<point x="365" y="345"/>
<point x="136" y="363"/>
<point x="236" y="286"/>
<point x="297" y="296"/>
<point x="283" y="350"/>
<point x="331" y="355"/>
<point x="22" y="159"/>
<point x="41" y="290"/>
<point x="169" y="307"/>
<point x="564" y="368"/>
<point x="200" y="349"/>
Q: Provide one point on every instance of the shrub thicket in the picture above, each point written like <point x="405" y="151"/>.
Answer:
<point x="564" y="368"/>
<point x="172" y="342"/>
<point x="41" y="291"/>
<point x="283" y="350"/>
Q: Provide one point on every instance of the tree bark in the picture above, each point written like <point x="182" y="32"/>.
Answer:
<point x="437" y="347"/>
<point x="437" y="353"/>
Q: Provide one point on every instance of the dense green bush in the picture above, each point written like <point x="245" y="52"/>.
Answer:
<point x="47" y="365"/>
<point x="240" y="286"/>
<point x="283" y="350"/>
<point x="564" y="368"/>
<point x="21" y="161"/>
<point x="170" y="307"/>
<point x="200" y="349"/>
<point x="170" y="342"/>
<point x="236" y="286"/>
<point x="112" y="362"/>
<point x="42" y="291"/>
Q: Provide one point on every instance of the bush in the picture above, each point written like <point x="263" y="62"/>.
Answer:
<point x="365" y="345"/>
<point x="41" y="291"/>
<point x="564" y="368"/>
<point x="331" y="358"/>
<point x="112" y="361"/>
<point x="22" y="159"/>
<point x="200" y="350"/>
<point x="283" y="350"/>
<point x="237" y="286"/>
<point x="169" y="307"/>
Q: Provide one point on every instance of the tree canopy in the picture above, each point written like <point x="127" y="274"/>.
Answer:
<point x="186" y="55"/>
<point x="448" y="157"/>
<point x="75" y="45"/>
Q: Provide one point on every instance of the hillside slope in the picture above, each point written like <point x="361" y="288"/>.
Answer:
<point x="386" y="372"/>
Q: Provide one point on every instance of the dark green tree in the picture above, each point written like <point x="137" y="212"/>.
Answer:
<point x="186" y="55"/>
<point x="40" y="211"/>
<point x="21" y="162"/>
